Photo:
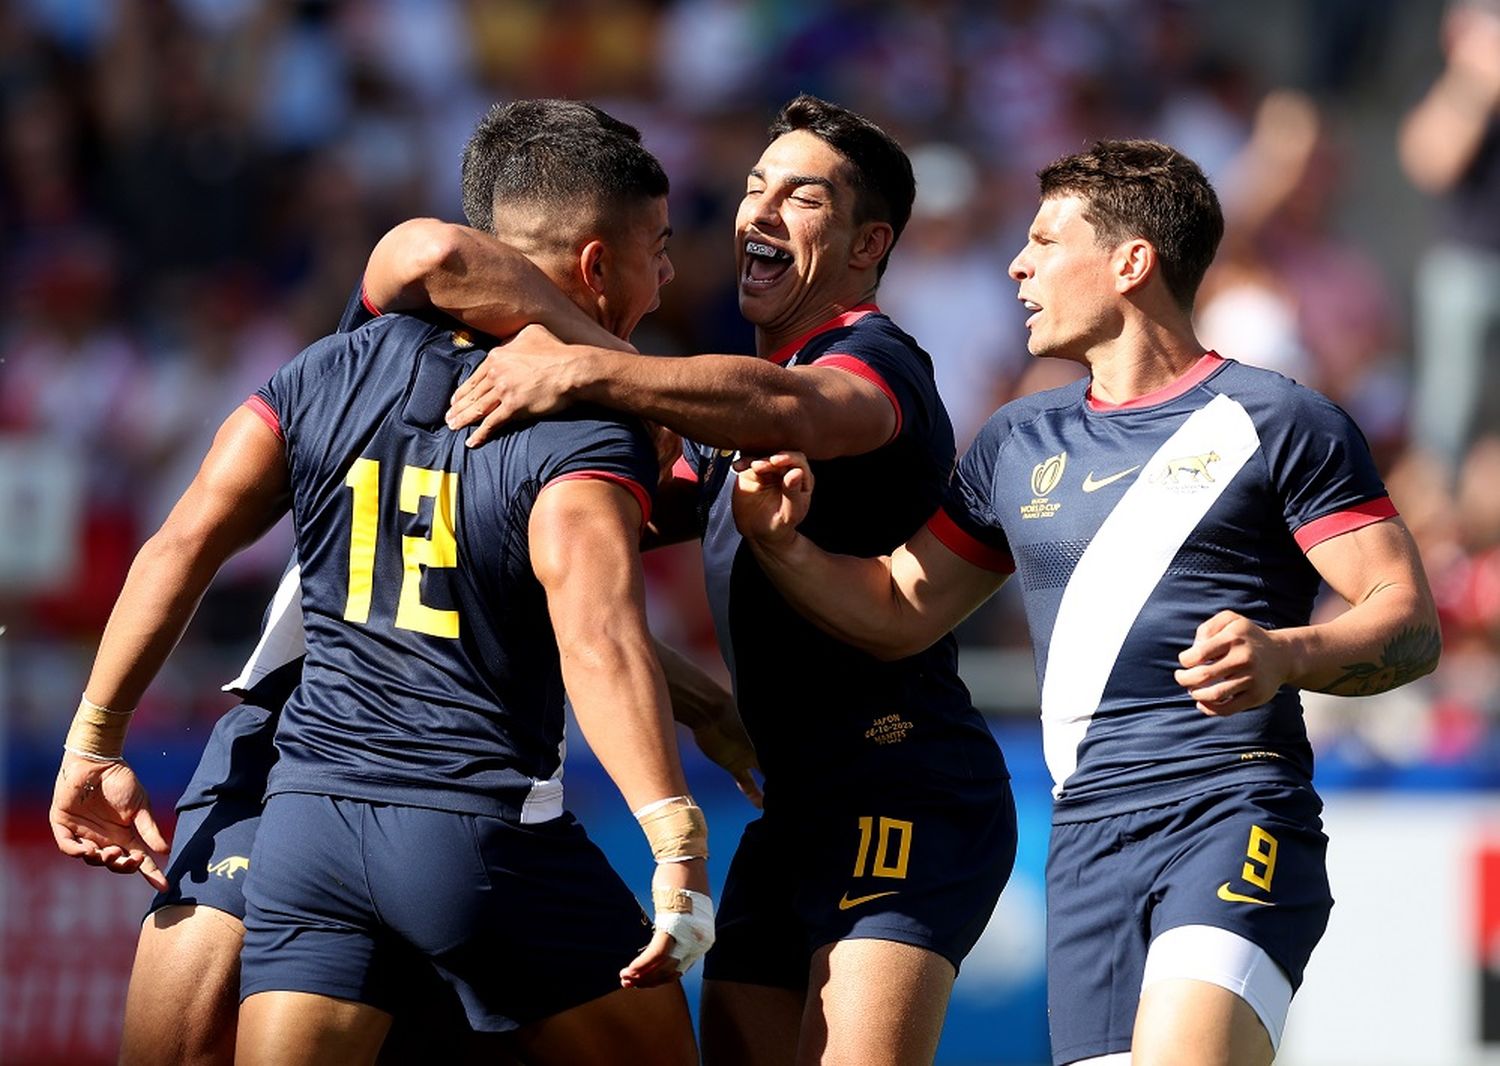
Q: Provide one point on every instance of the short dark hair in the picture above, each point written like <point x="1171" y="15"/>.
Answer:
<point x="598" y="174"/>
<point x="884" y="186"/>
<point x="1150" y="190"/>
<point x="504" y="127"/>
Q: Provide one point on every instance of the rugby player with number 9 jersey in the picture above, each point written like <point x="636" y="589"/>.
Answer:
<point x="1169" y="518"/>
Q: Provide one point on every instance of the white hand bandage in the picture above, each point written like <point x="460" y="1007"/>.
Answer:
<point x="688" y="918"/>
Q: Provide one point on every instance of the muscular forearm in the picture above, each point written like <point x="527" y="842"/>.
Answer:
<point x="1386" y="640"/>
<point x="725" y="401"/>
<point x="476" y="278"/>
<point x="856" y="600"/>
<point x="620" y="700"/>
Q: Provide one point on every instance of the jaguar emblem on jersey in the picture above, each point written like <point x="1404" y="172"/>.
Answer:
<point x="230" y="866"/>
<point x="462" y="338"/>
<point x="1045" y="477"/>
<point x="1186" y="471"/>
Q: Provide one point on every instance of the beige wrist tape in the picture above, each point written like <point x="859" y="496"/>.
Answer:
<point x="97" y="730"/>
<point x="675" y="829"/>
<point x="672" y="900"/>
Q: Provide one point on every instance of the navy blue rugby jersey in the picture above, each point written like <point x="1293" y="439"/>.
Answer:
<point x="826" y="717"/>
<point x="275" y="663"/>
<point x="432" y="675"/>
<point x="358" y="310"/>
<point x="1128" y="526"/>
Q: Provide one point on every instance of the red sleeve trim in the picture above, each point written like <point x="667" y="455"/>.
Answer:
<point x="364" y="298"/>
<point x="967" y="548"/>
<point x="683" y="470"/>
<point x="636" y="489"/>
<point x="267" y="414"/>
<point x="1346" y="521"/>
<point x="860" y="368"/>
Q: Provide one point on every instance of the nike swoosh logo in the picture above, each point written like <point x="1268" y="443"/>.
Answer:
<point x="845" y="903"/>
<point x="1090" y="485"/>
<point x="1234" y="897"/>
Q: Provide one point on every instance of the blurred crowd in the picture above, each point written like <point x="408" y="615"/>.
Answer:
<point x="189" y="190"/>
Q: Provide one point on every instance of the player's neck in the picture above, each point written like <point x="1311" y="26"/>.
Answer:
<point x="1145" y="358"/>
<point x="771" y="341"/>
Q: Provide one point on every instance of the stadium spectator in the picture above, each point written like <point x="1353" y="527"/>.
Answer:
<point x="1450" y="147"/>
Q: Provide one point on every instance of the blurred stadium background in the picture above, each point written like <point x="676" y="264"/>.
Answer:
<point x="188" y="191"/>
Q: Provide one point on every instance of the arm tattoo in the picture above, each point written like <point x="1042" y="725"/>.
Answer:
<point x="1410" y="654"/>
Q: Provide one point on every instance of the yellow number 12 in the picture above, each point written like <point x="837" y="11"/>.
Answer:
<point x="438" y="549"/>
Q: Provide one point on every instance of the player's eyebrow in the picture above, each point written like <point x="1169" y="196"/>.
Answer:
<point x="799" y="179"/>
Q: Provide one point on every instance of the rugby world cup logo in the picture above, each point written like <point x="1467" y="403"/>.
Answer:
<point x="1046" y="474"/>
<point x="1045" y="477"/>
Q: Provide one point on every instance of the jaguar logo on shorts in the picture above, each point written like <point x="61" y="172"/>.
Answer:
<point x="230" y="866"/>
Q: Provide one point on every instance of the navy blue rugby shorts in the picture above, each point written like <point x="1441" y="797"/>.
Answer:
<point x="523" y="921"/>
<point x="219" y="813"/>
<point x="920" y="870"/>
<point x="1250" y="859"/>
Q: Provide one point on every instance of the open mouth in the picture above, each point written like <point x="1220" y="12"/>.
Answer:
<point x="1032" y="308"/>
<point x="764" y="263"/>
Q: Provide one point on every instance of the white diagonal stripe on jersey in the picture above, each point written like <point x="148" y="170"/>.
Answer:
<point x="1122" y="566"/>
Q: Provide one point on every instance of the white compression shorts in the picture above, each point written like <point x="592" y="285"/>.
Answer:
<point x="1207" y="953"/>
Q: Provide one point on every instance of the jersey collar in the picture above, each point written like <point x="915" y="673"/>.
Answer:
<point x="1196" y="374"/>
<point x="783" y="355"/>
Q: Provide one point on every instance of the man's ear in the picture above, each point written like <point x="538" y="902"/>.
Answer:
<point x="1134" y="263"/>
<point x="594" y="266"/>
<point x="871" y="243"/>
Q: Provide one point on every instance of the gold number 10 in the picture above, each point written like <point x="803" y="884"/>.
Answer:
<point x="439" y="549"/>
<point x="883" y="867"/>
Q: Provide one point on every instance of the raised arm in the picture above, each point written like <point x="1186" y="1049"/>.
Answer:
<point x="725" y="401"/>
<point x="892" y="606"/>
<point x="1442" y="134"/>
<point x="476" y="278"/>
<point x="583" y="549"/>
<point x="1389" y="635"/>
<point x="99" y="811"/>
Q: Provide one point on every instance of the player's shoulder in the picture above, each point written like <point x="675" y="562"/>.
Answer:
<point x="405" y="327"/>
<point x="879" y="329"/>
<point x="1026" y="409"/>
<point x="371" y="337"/>
<point x="591" y="418"/>
<point x="582" y="428"/>
<point x="1270" y="397"/>
<point x="871" y="334"/>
